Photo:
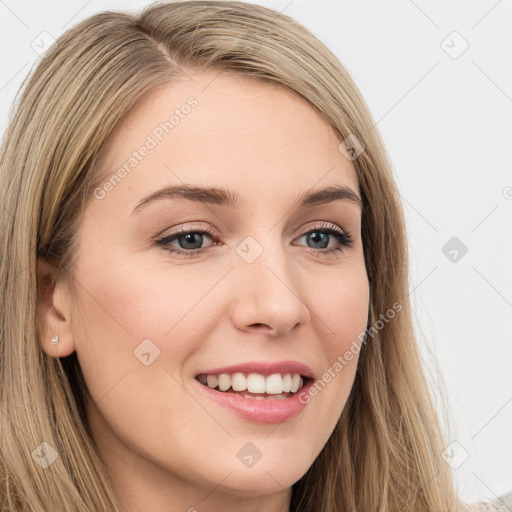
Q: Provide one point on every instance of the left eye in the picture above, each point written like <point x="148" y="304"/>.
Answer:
<point x="319" y="236"/>
<point x="190" y="242"/>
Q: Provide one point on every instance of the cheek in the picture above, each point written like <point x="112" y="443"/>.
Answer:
<point x="133" y="334"/>
<point x="128" y="311"/>
<point x="342" y="308"/>
<point x="341" y="316"/>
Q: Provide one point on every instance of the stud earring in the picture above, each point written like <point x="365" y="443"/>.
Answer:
<point x="55" y="339"/>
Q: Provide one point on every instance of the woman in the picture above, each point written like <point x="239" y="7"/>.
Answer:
<point x="271" y="364"/>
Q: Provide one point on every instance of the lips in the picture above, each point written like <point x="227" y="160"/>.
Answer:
<point x="262" y="392"/>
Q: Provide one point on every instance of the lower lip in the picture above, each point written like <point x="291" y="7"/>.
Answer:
<point x="259" y="411"/>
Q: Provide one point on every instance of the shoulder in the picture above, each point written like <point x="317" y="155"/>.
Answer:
<point x="502" y="503"/>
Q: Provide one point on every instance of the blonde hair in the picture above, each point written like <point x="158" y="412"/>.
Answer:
<point x="385" y="452"/>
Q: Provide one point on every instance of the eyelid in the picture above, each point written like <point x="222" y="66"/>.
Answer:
<point x="187" y="228"/>
<point x="321" y="224"/>
<point x="193" y="226"/>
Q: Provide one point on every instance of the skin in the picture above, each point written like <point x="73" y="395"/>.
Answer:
<point x="167" y="446"/>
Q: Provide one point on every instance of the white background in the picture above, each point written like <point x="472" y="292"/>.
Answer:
<point x="447" y="124"/>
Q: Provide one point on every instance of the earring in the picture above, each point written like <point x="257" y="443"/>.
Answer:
<point x="55" y="339"/>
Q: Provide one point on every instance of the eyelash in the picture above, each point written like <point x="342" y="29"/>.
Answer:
<point x="343" y="237"/>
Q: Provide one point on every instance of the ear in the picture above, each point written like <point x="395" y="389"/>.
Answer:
<point x="53" y="312"/>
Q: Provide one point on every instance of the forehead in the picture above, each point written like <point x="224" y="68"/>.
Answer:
<point x="225" y="130"/>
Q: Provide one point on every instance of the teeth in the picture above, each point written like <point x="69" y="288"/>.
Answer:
<point x="295" y="385"/>
<point x="275" y="384"/>
<point x="212" y="381"/>
<point x="287" y="383"/>
<point x="224" y="381"/>
<point x="255" y="383"/>
<point x="239" y="382"/>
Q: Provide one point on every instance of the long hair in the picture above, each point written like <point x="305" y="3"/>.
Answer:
<point x="385" y="453"/>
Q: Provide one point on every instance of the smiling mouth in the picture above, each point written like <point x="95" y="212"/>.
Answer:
<point x="278" y="386"/>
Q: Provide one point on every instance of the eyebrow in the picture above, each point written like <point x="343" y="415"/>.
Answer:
<point x="225" y="197"/>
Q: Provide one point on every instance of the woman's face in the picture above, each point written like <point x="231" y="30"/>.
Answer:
<point x="228" y="274"/>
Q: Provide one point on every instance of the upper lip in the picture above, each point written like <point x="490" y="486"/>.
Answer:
<point x="264" y="368"/>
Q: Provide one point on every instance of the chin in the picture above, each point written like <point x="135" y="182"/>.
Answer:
<point x="273" y="472"/>
<point x="253" y="482"/>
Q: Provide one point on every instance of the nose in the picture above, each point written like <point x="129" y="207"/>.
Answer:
<point x="268" y="295"/>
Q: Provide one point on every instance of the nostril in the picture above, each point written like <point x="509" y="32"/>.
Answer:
<point x="259" y="326"/>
